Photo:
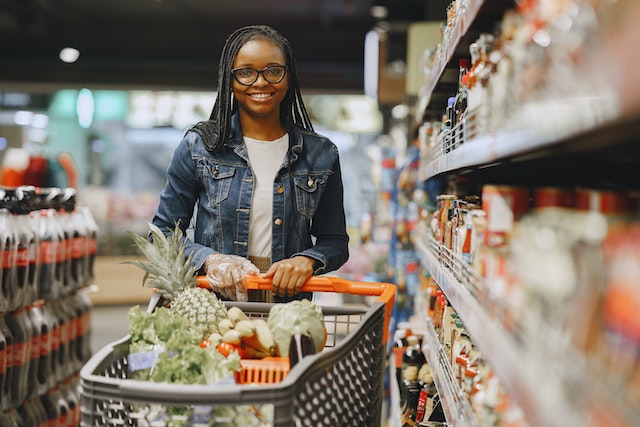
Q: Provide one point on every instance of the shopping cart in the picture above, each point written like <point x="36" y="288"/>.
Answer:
<point x="339" y="386"/>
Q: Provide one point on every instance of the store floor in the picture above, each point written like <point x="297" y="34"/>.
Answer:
<point x="108" y="323"/>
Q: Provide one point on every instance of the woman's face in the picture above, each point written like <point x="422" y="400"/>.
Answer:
<point x="261" y="99"/>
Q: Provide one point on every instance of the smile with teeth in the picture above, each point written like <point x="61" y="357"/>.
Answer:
<point x="260" y="95"/>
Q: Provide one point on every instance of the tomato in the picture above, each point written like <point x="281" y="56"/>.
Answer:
<point x="225" y="348"/>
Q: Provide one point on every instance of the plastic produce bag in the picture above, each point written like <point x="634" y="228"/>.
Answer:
<point x="226" y="275"/>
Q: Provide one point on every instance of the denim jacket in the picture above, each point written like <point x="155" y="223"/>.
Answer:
<point x="308" y="209"/>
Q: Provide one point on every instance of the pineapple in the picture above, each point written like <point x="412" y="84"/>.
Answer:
<point x="172" y="275"/>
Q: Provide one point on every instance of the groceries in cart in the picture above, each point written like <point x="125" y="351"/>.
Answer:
<point x="188" y="335"/>
<point x="340" y="385"/>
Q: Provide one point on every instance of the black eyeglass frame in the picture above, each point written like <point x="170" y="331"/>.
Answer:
<point x="259" y="72"/>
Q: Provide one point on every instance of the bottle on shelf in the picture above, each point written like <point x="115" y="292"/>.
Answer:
<point x="428" y="397"/>
<point x="460" y="104"/>
<point x="9" y="248"/>
<point x="91" y="242"/>
<point x="51" y="245"/>
<point x="42" y="327"/>
<point x="19" y="202"/>
<point x="7" y="391"/>
<point x="17" y="323"/>
<point x="399" y="347"/>
<point x="412" y="361"/>
<point x="447" y="125"/>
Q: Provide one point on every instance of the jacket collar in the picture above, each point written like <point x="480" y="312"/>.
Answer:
<point x="235" y="140"/>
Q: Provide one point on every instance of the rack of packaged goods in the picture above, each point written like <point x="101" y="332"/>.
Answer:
<point x="531" y="245"/>
<point x="457" y="408"/>
<point x="48" y="247"/>
<point x="509" y="79"/>
<point x="541" y="322"/>
<point x="518" y="374"/>
<point x="456" y="27"/>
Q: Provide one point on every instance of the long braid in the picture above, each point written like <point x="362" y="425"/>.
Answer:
<point x="215" y="131"/>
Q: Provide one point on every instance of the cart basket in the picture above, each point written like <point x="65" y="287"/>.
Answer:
<point x="339" y="386"/>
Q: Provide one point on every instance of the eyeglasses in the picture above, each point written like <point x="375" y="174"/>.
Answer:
<point x="248" y="76"/>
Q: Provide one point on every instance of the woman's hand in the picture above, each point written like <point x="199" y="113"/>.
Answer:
<point x="289" y="275"/>
<point x="226" y="275"/>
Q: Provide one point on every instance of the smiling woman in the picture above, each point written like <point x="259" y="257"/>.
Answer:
<point x="259" y="93"/>
<point x="265" y="187"/>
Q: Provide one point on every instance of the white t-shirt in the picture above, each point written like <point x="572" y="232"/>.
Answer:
<point x="265" y="158"/>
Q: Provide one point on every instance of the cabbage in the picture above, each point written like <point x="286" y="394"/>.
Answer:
<point x="296" y="317"/>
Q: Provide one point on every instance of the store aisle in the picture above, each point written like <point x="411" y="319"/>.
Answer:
<point x="108" y="323"/>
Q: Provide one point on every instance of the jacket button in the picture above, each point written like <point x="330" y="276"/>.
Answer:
<point x="278" y="221"/>
<point x="280" y="189"/>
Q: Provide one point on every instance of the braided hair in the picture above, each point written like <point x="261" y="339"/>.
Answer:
<point x="214" y="131"/>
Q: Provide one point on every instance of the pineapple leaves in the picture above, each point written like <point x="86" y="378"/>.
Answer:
<point x="167" y="268"/>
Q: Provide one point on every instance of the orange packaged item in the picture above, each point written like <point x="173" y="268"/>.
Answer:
<point x="504" y="206"/>
<point x="268" y="370"/>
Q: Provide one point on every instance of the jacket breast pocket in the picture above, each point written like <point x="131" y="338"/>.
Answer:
<point x="217" y="180"/>
<point x="309" y="189"/>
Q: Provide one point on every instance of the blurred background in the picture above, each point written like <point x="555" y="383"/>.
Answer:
<point x="115" y="84"/>
<point x="431" y="103"/>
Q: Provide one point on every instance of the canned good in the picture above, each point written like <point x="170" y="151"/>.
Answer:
<point x="553" y="197"/>
<point x="606" y="202"/>
<point x="504" y="206"/>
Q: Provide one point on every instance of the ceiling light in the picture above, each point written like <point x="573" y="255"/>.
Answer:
<point x="23" y="118"/>
<point x="69" y="55"/>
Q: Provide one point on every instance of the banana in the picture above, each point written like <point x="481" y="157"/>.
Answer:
<point x="265" y="336"/>
<point x="224" y="326"/>
<point x="236" y="314"/>
<point x="245" y="327"/>
<point x="232" y="337"/>
<point x="254" y="353"/>
<point x="253" y="342"/>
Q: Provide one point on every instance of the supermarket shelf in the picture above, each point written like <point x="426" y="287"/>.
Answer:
<point x="457" y="408"/>
<point x="599" y="145"/>
<point x="443" y="55"/>
<point x="540" y="394"/>
<point x="481" y="151"/>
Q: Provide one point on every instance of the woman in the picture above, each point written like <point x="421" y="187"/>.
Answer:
<point x="268" y="189"/>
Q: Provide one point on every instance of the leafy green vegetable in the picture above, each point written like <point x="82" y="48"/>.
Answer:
<point x="173" y="350"/>
<point x="159" y="328"/>
<point x="194" y="365"/>
<point x="296" y="317"/>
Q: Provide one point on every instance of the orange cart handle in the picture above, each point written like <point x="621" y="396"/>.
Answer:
<point x="317" y="284"/>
